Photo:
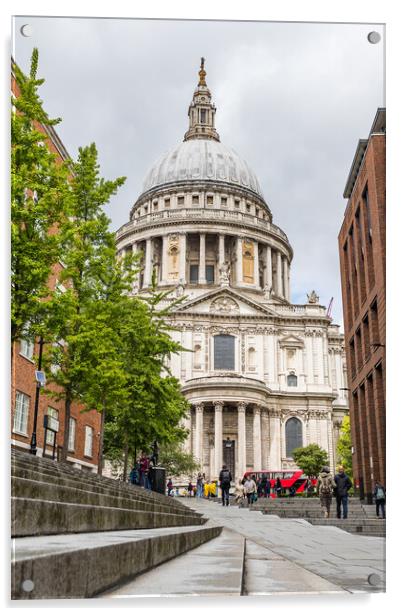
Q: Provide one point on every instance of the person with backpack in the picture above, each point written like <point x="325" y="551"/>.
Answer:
<point x="343" y="484"/>
<point x="325" y="489"/>
<point x="379" y="497"/>
<point x="225" y="478"/>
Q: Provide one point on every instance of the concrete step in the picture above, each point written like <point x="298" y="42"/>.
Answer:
<point x="23" y="464"/>
<point x="314" y="515"/>
<point x="21" y="461"/>
<point x="30" y="517"/>
<point x="57" y="488"/>
<point x="215" y="568"/>
<point x="373" y="528"/>
<point x="86" y="565"/>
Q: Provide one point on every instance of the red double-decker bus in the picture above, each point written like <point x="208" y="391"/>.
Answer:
<point x="290" y="478"/>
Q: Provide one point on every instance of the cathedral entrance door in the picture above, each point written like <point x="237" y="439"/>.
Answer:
<point x="229" y="456"/>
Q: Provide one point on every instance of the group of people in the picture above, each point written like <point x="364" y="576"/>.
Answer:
<point x="339" y="486"/>
<point x="141" y="472"/>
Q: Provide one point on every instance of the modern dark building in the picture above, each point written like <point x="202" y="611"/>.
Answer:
<point x="362" y="261"/>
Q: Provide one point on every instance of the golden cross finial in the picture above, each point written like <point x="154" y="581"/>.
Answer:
<point x="202" y="73"/>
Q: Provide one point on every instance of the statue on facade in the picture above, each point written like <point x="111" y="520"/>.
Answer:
<point x="180" y="289"/>
<point x="224" y="272"/>
<point x="267" y="290"/>
<point x="313" y="297"/>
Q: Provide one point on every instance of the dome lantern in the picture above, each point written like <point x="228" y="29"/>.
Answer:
<point x="201" y="111"/>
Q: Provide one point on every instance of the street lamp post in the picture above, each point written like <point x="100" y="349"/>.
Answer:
<point x="33" y="448"/>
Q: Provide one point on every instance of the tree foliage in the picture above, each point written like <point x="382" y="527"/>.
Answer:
<point x="176" y="461"/>
<point x="39" y="202"/>
<point x="310" y="459"/>
<point x="344" y="446"/>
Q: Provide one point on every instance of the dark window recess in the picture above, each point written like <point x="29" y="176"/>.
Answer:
<point x="193" y="273"/>
<point x="294" y="435"/>
<point x="210" y="273"/>
<point x="224" y="357"/>
<point x="203" y="116"/>
<point x="292" y="380"/>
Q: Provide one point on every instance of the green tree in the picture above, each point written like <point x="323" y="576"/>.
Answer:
<point x="176" y="461"/>
<point x="344" y="446"/>
<point x="39" y="204"/>
<point x="310" y="459"/>
<point x="82" y="316"/>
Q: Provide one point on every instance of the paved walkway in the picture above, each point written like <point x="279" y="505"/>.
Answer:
<point x="353" y="563"/>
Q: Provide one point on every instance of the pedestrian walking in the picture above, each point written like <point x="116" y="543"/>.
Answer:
<point x="225" y="478"/>
<point x="239" y="492"/>
<point x="263" y="484"/>
<point x="250" y="489"/>
<point x="379" y="497"/>
<point x="200" y="485"/>
<point x="343" y="484"/>
<point x="169" y="487"/>
<point x="190" y="489"/>
<point x="144" y="468"/>
<point x="325" y="489"/>
<point x="278" y="487"/>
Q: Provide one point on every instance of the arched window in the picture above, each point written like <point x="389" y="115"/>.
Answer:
<point x="294" y="435"/>
<point x="224" y="352"/>
<point x="251" y="357"/>
<point x="292" y="380"/>
<point x="197" y="356"/>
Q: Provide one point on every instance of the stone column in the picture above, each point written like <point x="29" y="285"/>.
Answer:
<point x="286" y="277"/>
<point x="279" y="289"/>
<point x="201" y="268"/>
<point x="256" y="266"/>
<point x="218" y="437"/>
<point x="269" y="266"/>
<point x="187" y="425"/>
<point x="221" y="251"/>
<point x="165" y="243"/>
<point x="241" y="439"/>
<point x="257" y="438"/>
<point x="275" y="440"/>
<point x="148" y="263"/>
<point x="199" y="432"/>
<point x="182" y="257"/>
<point x="239" y="261"/>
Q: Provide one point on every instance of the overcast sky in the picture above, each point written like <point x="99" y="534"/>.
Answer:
<point x="292" y="100"/>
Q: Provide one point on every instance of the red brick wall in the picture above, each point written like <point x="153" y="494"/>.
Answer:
<point x="362" y="262"/>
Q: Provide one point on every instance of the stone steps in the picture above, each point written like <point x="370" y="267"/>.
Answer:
<point x="51" y="498"/>
<point x="86" y="565"/>
<point x="25" y="465"/>
<point x="373" y="528"/>
<point x="213" y="569"/>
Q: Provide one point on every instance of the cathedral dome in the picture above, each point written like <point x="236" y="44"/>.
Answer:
<point x="201" y="160"/>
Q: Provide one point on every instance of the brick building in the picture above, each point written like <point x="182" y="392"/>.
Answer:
<point x="362" y="260"/>
<point x="84" y="427"/>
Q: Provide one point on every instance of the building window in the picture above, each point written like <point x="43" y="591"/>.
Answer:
<point x="180" y="200"/>
<point x="71" y="434"/>
<point x="248" y="207"/>
<point x="27" y="348"/>
<point x="224" y="201"/>
<point x="203" y="116"/>
<point x="210" y="273"/>
<point x="155" y="204"/>
<point x="366" y="202"/>
<point x="210" y="200"/>
<point x="54" y="414"/>
<point x="294" y="435"/>
<point x="292" y="380"/>
<point x="197" y="356"/>
<point x="194" y="273"/>
<point x="89" y="437"/>
<point x="237" y="202"/>
<point x="145" y="209"/>
<point x="224" y="352"/>
<point x="21" y="413"/>
<point x="167" y="202"/>
<point x="196" y="200"/>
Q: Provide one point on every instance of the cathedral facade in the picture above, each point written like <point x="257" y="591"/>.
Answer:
<point x="264" y="375"/>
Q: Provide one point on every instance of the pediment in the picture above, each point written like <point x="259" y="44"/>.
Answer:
<point x="224" y="302"/>
<point x="291" y="341"/>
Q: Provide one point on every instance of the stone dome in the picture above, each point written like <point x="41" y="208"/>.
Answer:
<point x="198" y="160"/>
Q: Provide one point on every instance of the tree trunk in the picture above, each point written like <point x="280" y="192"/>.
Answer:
<point x="125" y="462"/>
<point x="67" y="407"/>
<point x="100" y="455"/>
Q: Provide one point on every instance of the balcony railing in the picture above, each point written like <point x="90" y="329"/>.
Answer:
<point x="192" y="214"/>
